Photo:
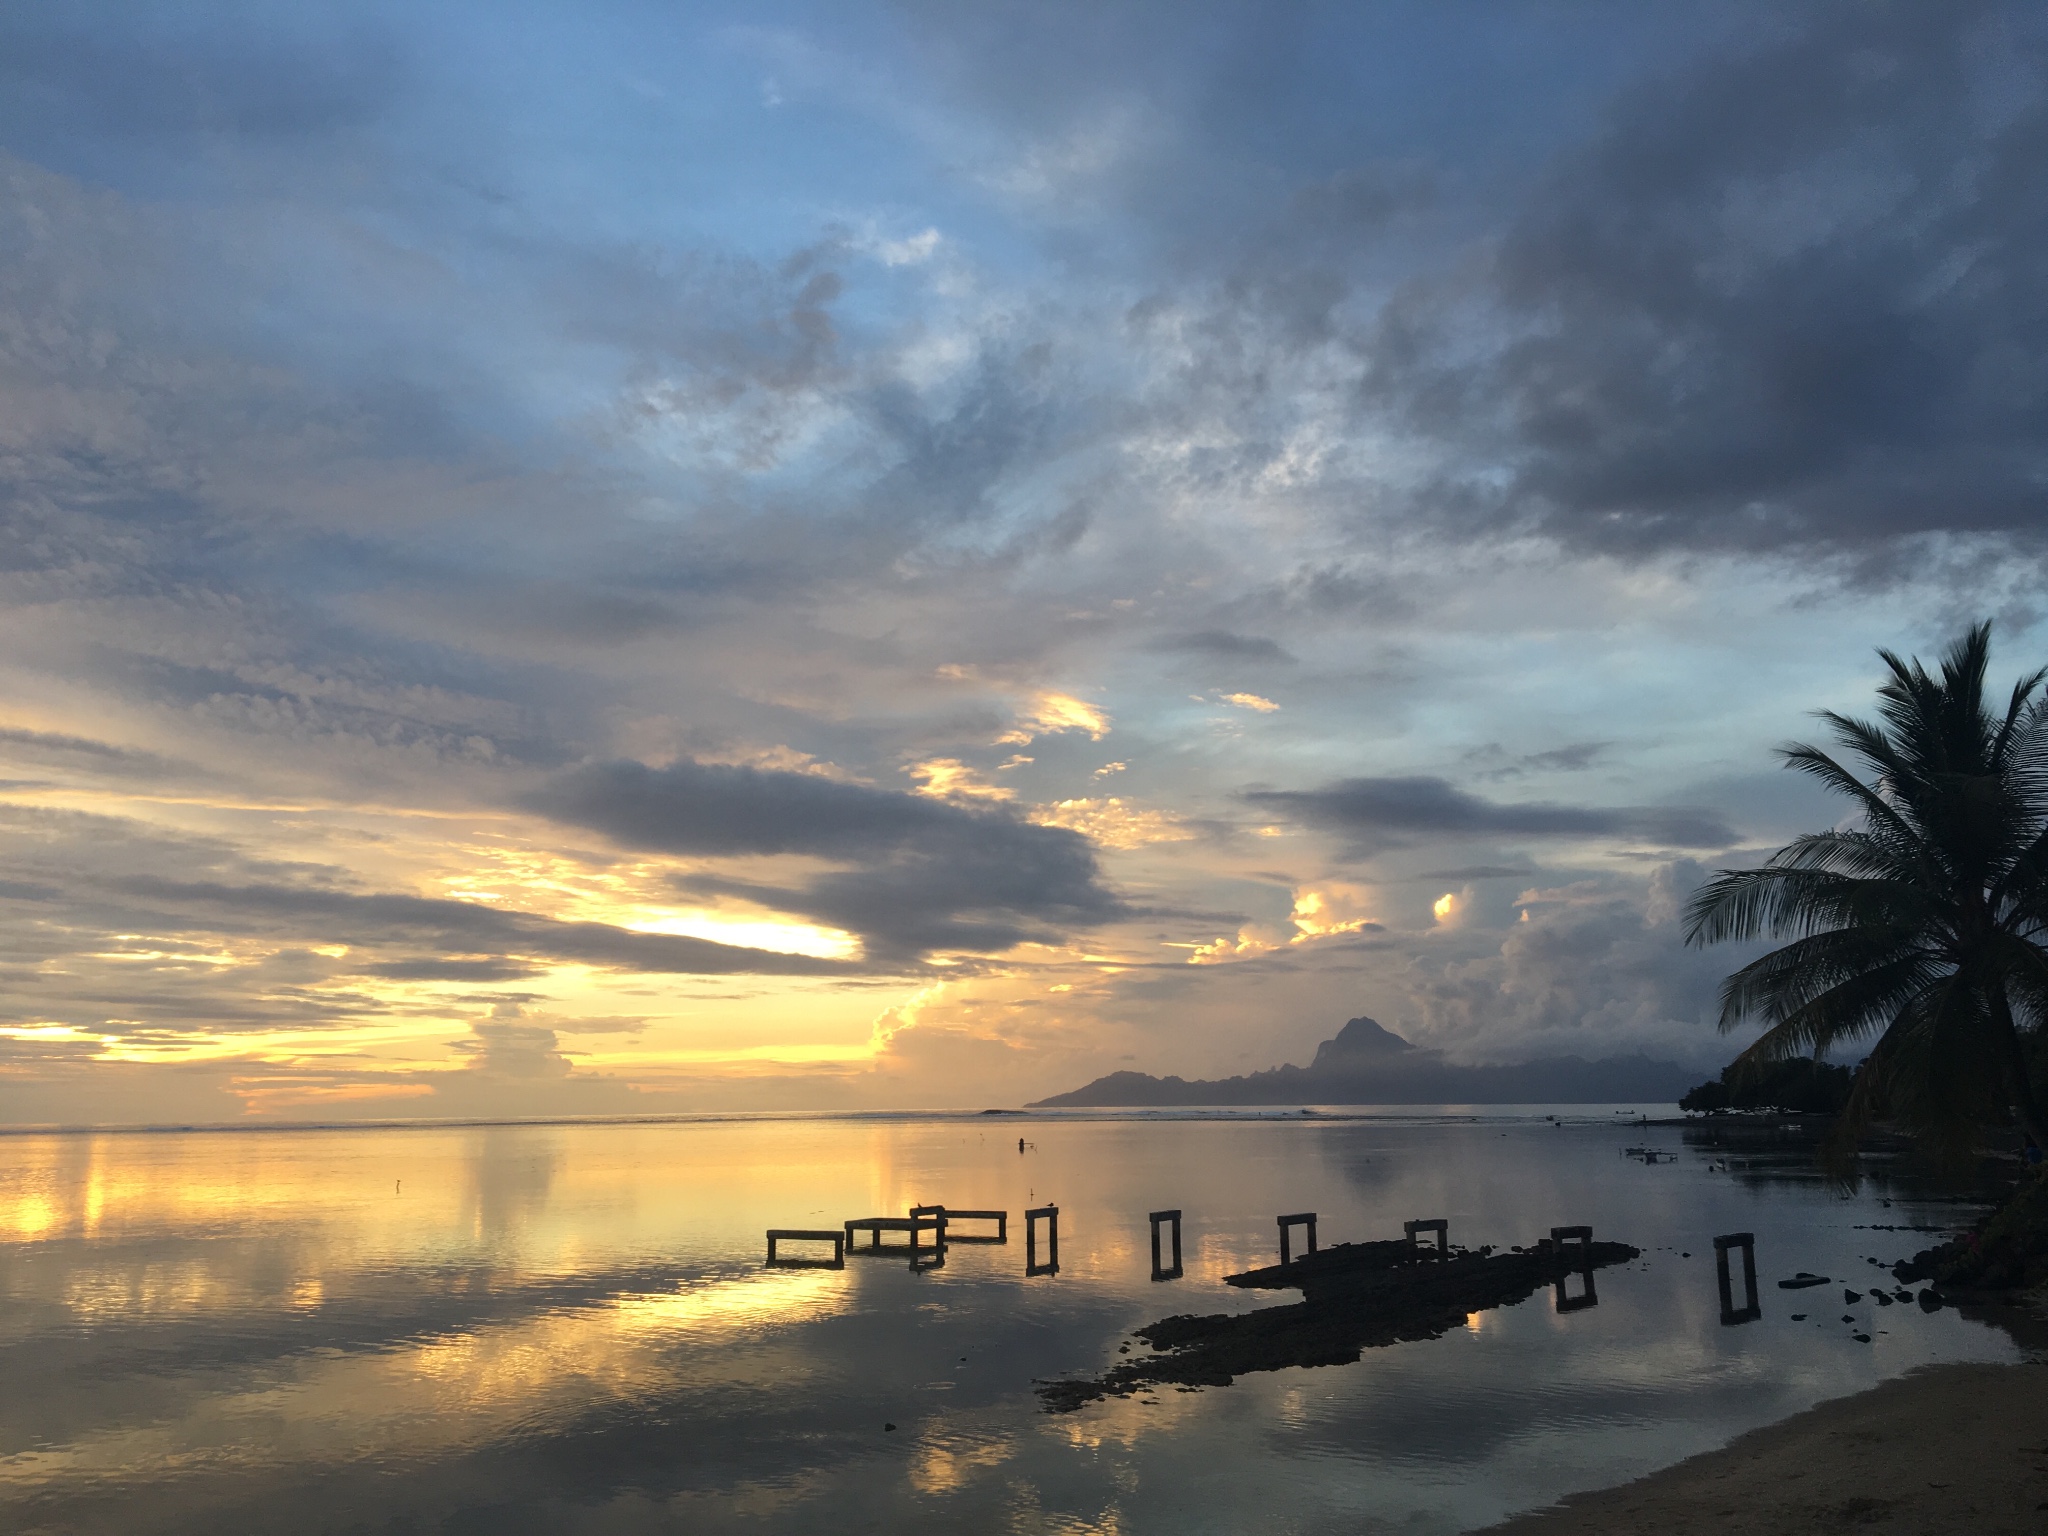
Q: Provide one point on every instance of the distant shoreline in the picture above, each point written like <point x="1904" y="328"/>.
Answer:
<point x="1945" y="1450"/>
<point x="1581" y="1114"/>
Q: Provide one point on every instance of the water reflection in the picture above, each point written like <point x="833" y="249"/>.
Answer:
<point x="570" y="1328"/>
<point x="1561" y="1291"/>
<point x="511" y="1174"/>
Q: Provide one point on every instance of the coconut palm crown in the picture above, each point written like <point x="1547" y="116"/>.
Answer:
<point x="1918" y="924"/>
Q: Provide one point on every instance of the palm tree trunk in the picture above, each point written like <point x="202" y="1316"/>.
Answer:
<point x="2020" y="1087"/>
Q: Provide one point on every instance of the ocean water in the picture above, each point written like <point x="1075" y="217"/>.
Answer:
<point x="569" y="1328"/>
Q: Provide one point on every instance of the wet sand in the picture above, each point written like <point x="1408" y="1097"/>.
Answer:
<point x="1949" y="1448"/>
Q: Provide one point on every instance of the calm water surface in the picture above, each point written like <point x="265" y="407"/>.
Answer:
<point x="568" y="1328"/>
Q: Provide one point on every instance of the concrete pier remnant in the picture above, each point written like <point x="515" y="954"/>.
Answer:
<point x="1440" y="1249"/>
<point x="927" y="1218"/>
<point x="1165" y="1271"/>
<point x="1563" y="1242"/>
<point x="1562" y="1237"/>
<point x="1287" y="1225"/>
<point x="1000" y="1218"/>
<point x="875" y="1226"/>
<point x="779" y="1235"/>
<point x="1751" y="1309"/>
<point x="1050" y="1215"/>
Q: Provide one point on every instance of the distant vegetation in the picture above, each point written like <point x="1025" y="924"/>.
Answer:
<point x="1802" y="1085"/>
<point x="1918" y="924"/>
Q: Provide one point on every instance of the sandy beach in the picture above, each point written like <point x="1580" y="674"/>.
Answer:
<point x="1949" y="1448"/>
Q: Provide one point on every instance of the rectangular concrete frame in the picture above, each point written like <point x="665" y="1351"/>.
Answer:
<point x="875" y="1226"/>
<point x="1751" y="1309"/>
<point x="1559" y="1236"/>
<point x="837" y="1239"/>
<point x="1561" y="1239"/>
<point x="1287" y="1223"/>
<point x="1050" y="1215"/>
<point x="923" y="1218"/>
<point x="1439" y="1226"/>
<point x="1000" y="1218"/>
<point x="1165" y="1271"/>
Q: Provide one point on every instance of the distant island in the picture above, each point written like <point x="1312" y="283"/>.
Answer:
<point x="1367" y="1064"/>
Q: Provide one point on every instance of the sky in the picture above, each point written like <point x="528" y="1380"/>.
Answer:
<point x="634" y="558"/>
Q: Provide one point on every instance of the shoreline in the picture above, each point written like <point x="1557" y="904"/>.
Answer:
<point x="1943" y="1449"/>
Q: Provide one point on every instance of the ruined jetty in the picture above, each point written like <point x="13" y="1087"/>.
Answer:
<point x="1357" y="1296"/>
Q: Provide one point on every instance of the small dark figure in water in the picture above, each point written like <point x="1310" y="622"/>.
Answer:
<point x="1020" y="1146"/>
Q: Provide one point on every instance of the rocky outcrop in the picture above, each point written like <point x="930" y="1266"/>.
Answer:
<point x="1359" y="1296"/>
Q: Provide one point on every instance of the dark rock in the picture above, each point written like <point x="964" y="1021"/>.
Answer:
<point x="2006" y="1248"/>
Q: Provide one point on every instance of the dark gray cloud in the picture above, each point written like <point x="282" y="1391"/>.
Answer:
<point x="925" y="874"/>
<point x="1493" y="761"/>
<point x="82" y="753"/>
<point x="435" y="969"/>
<point x="145" y="70"/>
<point x="1379" y="813"/>
<point x="1796" y="295"/>
<point x="716" y="809"/>
<point x="1225" y="645"/>
<point x="1479" y="872"/>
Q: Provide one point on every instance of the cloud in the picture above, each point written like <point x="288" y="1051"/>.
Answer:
<point x="947" y="778"/>
<point x="925" y="874"/>
<point x="1050" y="713"/>
<point x="1595" y="968"/>
<point x="1373" y="814"/>
<point x="507" y="1048"/>
<point x="1493" y="761"/>
<point x="437" y="969"/>
<point x="1477" y="872"/>
<point x="1224" y="645"/>
<point x="450" y="928"/>
<point x="1333" y="907"/>
<point x="114" y="69"/>
<point x="84" y="754"/>
<point x="1114" y="822"/>
<point x="1789" y="297"/>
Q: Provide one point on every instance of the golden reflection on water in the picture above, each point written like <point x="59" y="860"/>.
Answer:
<point x="224" y="1316"/>
<point x="263" y="1233"/>
<point x="458" y="1390"/>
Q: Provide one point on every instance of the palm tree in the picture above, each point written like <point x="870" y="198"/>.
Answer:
<point x="1921" y="923"/>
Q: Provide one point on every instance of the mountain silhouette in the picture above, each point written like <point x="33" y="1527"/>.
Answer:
<point x="1366" y="1063"/>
